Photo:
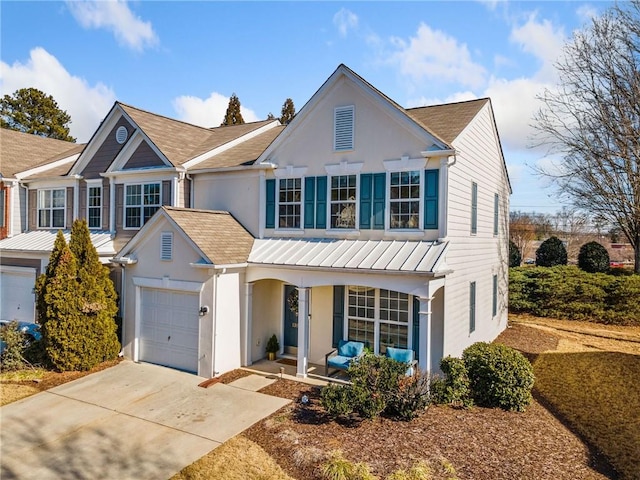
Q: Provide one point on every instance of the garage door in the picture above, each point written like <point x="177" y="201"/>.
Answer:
<point x="169" y="328"/>
<point x="17" y="300"/>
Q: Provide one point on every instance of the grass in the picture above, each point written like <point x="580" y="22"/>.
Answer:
<point x="236" y="459"/>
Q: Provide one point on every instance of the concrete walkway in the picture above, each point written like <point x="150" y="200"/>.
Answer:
<point x="132" y="421"/>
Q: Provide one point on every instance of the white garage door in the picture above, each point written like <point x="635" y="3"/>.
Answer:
<point x="169" y="328"/>
<point x="17" y="300"/>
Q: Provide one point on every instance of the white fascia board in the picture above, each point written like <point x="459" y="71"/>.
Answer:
<point x="143" y="175"/>
<point x="52" y="182"/>
<point x="239" y="168"/>
<point x="99" y="137"/>
<point x="8" y="180"/>
<point x="438" y="153"/>
<point x="237" y="141"/>
<point x="48" y="166"/>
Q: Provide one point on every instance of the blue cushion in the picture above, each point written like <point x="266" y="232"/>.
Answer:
<point x="339" y="361"/>
<point x="350" y="348"/>
<point x="400" y="354"/>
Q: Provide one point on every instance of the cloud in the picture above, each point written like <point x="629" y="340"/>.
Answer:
<point x="208" y="112"/>
<point x="117" y="17"/>
<point x="434" y="55"/>
<point x="86" y="104"/>
<point x="345" y="20"/>
<point x="586" y="12"/>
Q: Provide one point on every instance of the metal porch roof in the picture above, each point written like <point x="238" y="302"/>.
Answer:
<point x="41" y="241"/>
<point x="369" y="255"/>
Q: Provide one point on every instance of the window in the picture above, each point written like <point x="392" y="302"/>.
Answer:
<point x="51" y="208"/>
<point x="166" y="246"/>
<point x="289" y="202"/>
<point x="494" y="303"/>
<point x="343" y="201"/>
<point x="141" y="202"/>
<point x="474" y="208"/>
<point x="404" y="199"/>
<point x="472" y="307"/>
<point x="496" y="206"/>
<point x="3" y="206"/>
<point x="379" y="318"/>
<point x="343" y="128"/>
<point x="94" y="207"/>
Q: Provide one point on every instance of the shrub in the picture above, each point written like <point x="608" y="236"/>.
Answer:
<point x="515" y="257"/>
<point x="593" y="258"/>
<point x="15" y="343"/>
<point x="551" y="253"/>
<point x="337" y="399"/>
<point x="420" y="471"/>
<point x="411" y="396"/>
<point x="454" y="388"/>
<point x="499" y="375"/>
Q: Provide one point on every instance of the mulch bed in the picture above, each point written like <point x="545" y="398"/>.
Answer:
<point x="480" y="443"/>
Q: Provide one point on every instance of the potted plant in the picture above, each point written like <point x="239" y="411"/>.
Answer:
<point x="272" y="347"/>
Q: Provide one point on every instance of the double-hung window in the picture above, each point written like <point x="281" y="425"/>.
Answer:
<point x="379" y="318"/>
<point x="94" y="206"/>
<point x="404" y="200"/>
<point x="343" y="201"/>
<point x="289" y="202"/>
<point x="141" y="202"/>
<point x="51" y="208"/>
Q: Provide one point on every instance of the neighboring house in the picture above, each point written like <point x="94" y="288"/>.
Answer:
<point x="358" y="220"/>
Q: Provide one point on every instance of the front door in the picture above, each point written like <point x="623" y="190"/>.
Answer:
<point x="290" y="319"/>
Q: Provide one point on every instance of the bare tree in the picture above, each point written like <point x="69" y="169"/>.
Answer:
<point x="522" y="232"/>
<point x="592" y="120"/>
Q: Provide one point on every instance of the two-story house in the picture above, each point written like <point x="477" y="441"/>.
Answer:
<point x="359" y="220"/>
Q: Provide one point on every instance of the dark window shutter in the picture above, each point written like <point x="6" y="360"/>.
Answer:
<point x="495" y="295"/>
<point x="321" y="202"/>
<point x="472" y="307"/>
<point x="366" y="198"/>
<point x="270" y="221"/>
<point x="431" y="199"/>
<point x="309" y="202"/>
<point x="379" y="187"/>
<point x="496" y="206"/>
<point x="338" y="313"/>
<point x="474" y="208"/>
<point x="416" y="327"/>
<point x="166" y="193"/>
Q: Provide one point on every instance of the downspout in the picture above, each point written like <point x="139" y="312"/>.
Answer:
<point x="26" y="205"/>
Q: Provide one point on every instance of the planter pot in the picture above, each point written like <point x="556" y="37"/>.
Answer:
<point x="271" y="355"/>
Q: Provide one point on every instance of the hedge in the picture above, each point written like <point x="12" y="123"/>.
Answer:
<point x="566" y="292"/>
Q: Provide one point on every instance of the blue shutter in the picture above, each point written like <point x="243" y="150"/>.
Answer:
<point x="431" y="199"/>
<point x="472" y="307"/>
<point x="495" y="295"/>
<point x="379" y="187"/>
<point x="474" y="208"/>
<point x="338" y="314"/>
<point x="366" y="197"/>
<point x="416" y="327"/>
<point x="321" y="202"/>
<point x="270" y="221"/>
<point x="496" y="206"/>
<point x="309" y="201"/>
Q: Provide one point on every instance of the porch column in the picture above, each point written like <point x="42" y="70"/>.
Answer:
<point x="425" y="334"/>
<point x="247" y="324"/>
<point x="303" y="332"/>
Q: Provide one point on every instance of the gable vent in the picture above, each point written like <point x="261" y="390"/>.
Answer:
<point x="121" y="134"/>
<point x="166" y="246"/>
<point x="343" y="131"/>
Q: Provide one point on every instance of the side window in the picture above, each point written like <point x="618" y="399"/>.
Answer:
<point x="94" y="207"/>
<point x="51" y="208"/>
<point x="472" y="307"/>
<point x="289" y="202"/>
<point x="474" y="208"/>
<point x="343" y="201"/>
<point x="496" y="213"/>
<point x="494" y="300"/>
<point x="140" y="203"/>
<point x="404" y="200"/>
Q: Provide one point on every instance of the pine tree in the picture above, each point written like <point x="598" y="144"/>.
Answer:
<point x="271" y="116"/>
<point x="233" y="115"/>
<point x="288" y="112"/>
<point x="43" y="280"/>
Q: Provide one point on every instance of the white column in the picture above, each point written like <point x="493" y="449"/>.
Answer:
<point x="425" y="334"/>
<point x="247" y="331"/>
<point x="303" y="332"/>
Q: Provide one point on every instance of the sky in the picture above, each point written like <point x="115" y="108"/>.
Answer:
<point x="185" y="59"/>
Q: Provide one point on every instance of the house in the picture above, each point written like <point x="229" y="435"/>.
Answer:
<point x="360" y="219"/>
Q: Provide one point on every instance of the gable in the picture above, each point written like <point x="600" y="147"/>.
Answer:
<point x="107" y="150"/>
<point x="144" y="157"/>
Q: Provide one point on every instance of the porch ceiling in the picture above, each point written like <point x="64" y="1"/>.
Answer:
<point x="367" y="255"/>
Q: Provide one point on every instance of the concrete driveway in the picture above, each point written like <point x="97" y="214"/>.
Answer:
<point x="132" y="421"/>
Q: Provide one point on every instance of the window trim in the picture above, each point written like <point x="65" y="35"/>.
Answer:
<point x="301" y="203"/>
<point x="140" y="206"/>
<point x="91" y="185"/>
<point x="420" y="213"/>
<point x="356" y="203"/>
<point x="51" y="209"/>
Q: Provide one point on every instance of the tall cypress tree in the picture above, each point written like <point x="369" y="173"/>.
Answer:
<point x="43" y="280"/>
<point x="233" y="115"/>
<point x="288" y="112"/>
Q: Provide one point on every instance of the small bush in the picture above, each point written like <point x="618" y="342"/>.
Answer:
<point x="454" y="388"/>
<point x="593" y="258"/>
<point x="339" y="468"/>
<point x="499" y="375"/>
<point x="15" y="344"/>
<point x="551" y="253"/>
<point x="337" y="399"/>
<point x="420" y="471"/>
<point x="515" y="257"/>
<point x="411" y="396"/>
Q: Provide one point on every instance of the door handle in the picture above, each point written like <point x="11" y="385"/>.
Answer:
<point x="294" y="325"/>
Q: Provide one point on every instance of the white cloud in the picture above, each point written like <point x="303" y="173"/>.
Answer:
<point x="455" y="97"/>
<point x="117" y="17"/>
<point x="207" y="112"/>
<point x="345" y="20"/>
<point x="586" y="12"/>
<point x="86" y="104"/>
<point x="434" y="55"/>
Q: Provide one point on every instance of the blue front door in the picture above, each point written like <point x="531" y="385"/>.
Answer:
<point x="290" y="319"/>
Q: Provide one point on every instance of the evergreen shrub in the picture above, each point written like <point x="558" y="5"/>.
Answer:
<point x="15" y="342"/>
<point x="455" y="387"/>
<point x="551" y="253"/>
<point x="515" y="257"/>
<point x="593" y="258"/>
